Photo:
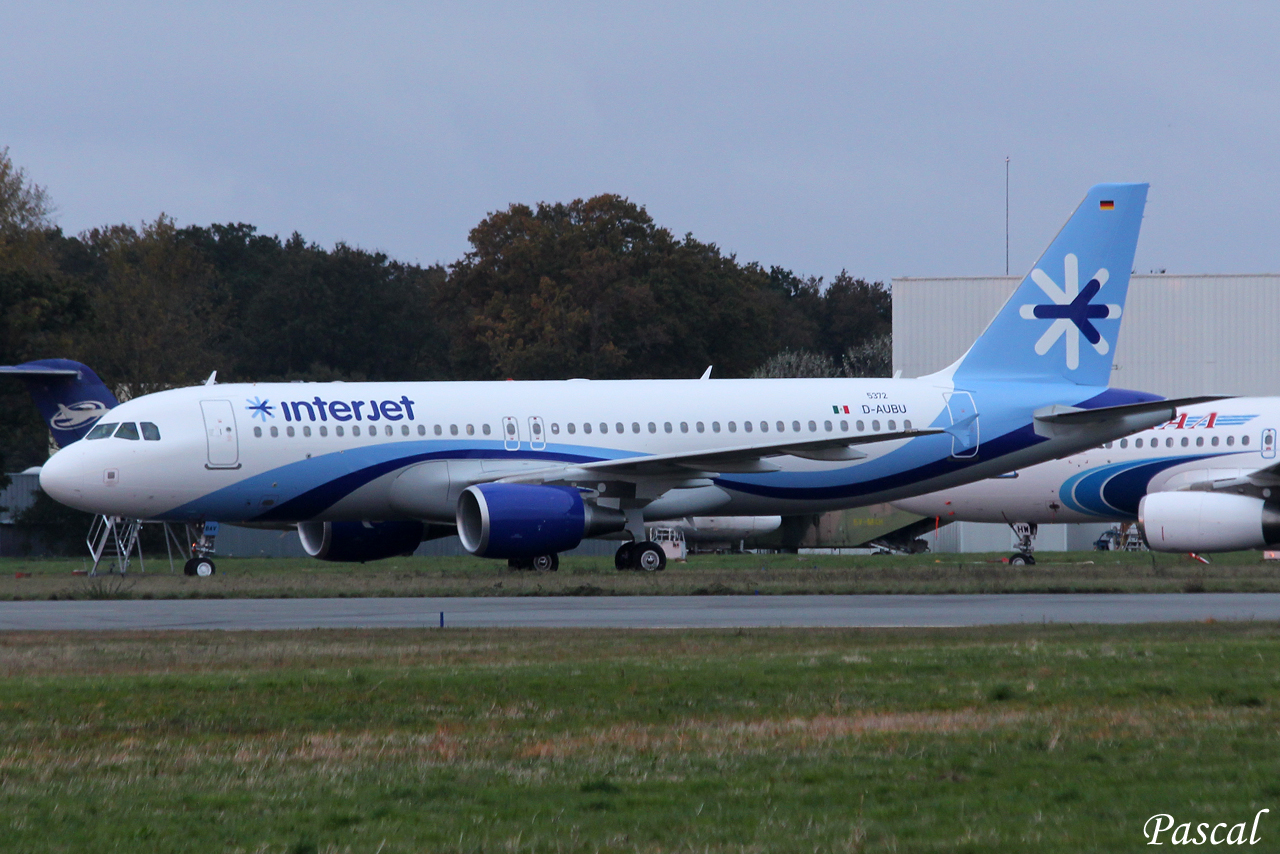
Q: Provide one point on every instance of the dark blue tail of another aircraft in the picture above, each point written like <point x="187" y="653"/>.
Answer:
<point x="69" y="395"/>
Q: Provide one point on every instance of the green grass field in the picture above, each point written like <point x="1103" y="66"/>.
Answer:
<point x="1012" y="739"/>
<point x="702" y="574"/>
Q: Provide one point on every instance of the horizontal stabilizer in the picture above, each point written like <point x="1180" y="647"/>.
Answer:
<point x="1071" y="415"/>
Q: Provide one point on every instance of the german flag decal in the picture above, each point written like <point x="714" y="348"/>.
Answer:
<point x="1107" y="205"/>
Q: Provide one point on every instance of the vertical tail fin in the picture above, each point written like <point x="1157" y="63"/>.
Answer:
<point x="1062" y="322"/>
<point x="69" y="395"/>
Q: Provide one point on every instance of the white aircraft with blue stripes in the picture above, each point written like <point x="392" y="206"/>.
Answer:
<point x="526" y="470"/>
<point x="1205" y="481"/>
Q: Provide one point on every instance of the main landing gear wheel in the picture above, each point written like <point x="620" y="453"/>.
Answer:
<point x="622" y="559"/>
<point x="200" y="567"/>
<point x="546" y="563"/>
<point x="1022" y="560"/>
<point x="650" y="557"/>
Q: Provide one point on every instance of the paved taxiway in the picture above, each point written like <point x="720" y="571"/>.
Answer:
<point x="637" y="612"/>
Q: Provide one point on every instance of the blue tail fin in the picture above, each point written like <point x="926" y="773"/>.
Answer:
<point x="1063" y="320"/>
<point x="69" y="395"/>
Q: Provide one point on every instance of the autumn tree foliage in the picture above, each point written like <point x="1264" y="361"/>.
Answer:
<point x="586" y="288"/>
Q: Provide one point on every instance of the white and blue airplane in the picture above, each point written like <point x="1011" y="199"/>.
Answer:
<point x="1205" y="481"/>
<point x="525" y="470"/>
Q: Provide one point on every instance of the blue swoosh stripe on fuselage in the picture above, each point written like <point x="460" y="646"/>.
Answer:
<point x="1117" y="488"/>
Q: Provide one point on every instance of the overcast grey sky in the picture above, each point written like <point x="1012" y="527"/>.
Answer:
<point x="814" y="136"/>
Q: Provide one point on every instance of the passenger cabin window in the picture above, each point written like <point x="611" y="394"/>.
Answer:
<point x="1214" y="441"/>
<point x="1244" y="440"/>
<point x="906" y="425"/>
<point x="1231" y="440"/>
<point x="257" y="432"/>
<point x="484" y="428"/>
<point x="844" y="426"/>
<point x="555" y="428"/>
<point x="604" y="428"/>
<point x="570" y="427"/>
<point x="666" y="426"/>
<point x="337" y="431"/>
<point x="324" y="431"/>
<point x="1199" y="441"/>
<point x="1184" y="441"/>
<point x="620" y="427"/>
<point x="746" y="425"/>
<point x="275" y="432"/>
<point x="635" y="426"/>
<point x="102" y="431"/>
<point x="355" y="430"/>
<point x="715" y="426"/>
<point x="404" y="429"/>
<point x="127" y="430"/>
<point x="827" y="426"/>
<point x="1168" y="443"/>
<point x="653" y="428"/>
<point x="453" y="429"/>
<point x="795" y="425"/>
<point x="700" y="427"/>
<point x="288" y="431"/>
<point x="893" y="425"/>
<point x="471" y="430"/>
<point x="1124" y="443"/>
<point x="151" y="432"/>
<point x="813" y="427"/>
<point x="684" y="426"/>
<point x="306" y="431"/>
<point x="1137" y="443"/>
<point x="439" y="430"/>
<point x="586" y="426"/>
<point x="875" y="426"/>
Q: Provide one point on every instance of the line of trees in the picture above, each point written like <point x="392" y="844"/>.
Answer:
<point x="589" y="288"/>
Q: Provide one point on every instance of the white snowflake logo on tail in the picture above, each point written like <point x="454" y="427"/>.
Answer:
<point x="1071" y="311"/>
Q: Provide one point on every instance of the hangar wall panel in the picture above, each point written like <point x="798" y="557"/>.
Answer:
<point x="1182" y="335"/>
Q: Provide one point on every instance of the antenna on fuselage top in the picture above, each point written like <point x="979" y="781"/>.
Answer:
<point x="706" y="375"/>
<point x="213" y="379"/>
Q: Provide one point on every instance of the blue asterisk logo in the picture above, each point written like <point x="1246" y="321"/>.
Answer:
<point x="261" y="409"/>
<point x="1072" y="311"/>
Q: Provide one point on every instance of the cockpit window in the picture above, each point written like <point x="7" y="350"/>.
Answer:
<point x="102" y="431"/>
<point x="150" y="432"/>
<point x="127" y="430"/>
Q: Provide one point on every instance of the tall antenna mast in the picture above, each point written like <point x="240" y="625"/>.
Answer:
<point x="1006" y="216"/>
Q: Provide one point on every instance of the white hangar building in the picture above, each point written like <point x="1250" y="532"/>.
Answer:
<point x="1182" y="336"/>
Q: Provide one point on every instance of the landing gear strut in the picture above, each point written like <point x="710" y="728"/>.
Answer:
<point x="645" y="555"/>
<point x="1026" y="534"/>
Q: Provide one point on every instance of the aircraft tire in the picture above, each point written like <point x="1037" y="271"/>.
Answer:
<point x="650" y="557"/>
<point x="546" y="563"/>
<point x="622" y="558"/>
<point x="199" y="567"/>
<point x="1020" y="560"/>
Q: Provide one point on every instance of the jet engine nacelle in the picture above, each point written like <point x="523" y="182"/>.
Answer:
<point x="359" y="541"/>
<point x="516" y="520"/>
<point x="1207" y="522"/>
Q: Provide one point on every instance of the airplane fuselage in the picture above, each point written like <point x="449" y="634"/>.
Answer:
<point x="1206" y="443"/>
<point x="291" y="452"/>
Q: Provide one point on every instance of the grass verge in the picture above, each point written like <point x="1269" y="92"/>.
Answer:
<point x="1081" y="572"/>
<point x="1005" y="739"/>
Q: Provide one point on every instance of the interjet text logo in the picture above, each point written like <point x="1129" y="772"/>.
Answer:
<point x="1071" y="311"/>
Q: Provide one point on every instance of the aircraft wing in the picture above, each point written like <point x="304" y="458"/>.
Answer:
<point x="703" y="464"/>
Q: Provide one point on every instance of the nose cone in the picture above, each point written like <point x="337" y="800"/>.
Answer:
<point x="62" y="478"/>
